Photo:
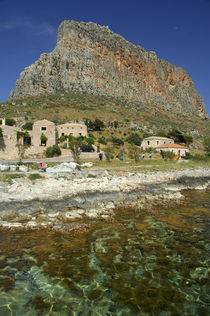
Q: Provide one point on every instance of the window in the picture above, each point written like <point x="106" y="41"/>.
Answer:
<point x="157" y="142"/>
<point x="43" y="143"/>
<point x="43" y="128"/>
<point x="27" y="140"/>
<point x="62" y="134"/>
<point x="148" y="142"/>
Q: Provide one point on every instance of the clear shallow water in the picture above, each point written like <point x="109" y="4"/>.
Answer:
<point x="142" y="263"/>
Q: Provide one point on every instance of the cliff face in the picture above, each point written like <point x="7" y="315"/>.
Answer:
<point x="90" y="58"/>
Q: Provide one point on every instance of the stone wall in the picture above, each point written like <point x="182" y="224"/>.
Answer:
<point x="74" y="129"/>
<point x="43" y="127"/>
<point x="8" y="148"/>
<point x="155" y="141"/>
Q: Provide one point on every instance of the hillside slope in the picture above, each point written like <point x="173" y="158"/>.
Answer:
<point x="132" y="117"/>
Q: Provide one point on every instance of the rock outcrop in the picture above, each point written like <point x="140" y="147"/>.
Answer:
<point x="90" y="58"/>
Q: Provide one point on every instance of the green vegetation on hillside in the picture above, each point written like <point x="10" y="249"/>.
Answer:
<point x="108" y="117"/>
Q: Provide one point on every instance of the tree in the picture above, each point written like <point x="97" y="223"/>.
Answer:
<point x="134" y="152"/>
<point x="10" y="122"/>
<point x="74" y="145"/>
<point x="62" y="140"/>
<point x="89" y="124"/>
<point x="116" y="124"/>
<point x="134" y="139"/>
<point x="89" y="141"/>
<point x="98" y="125"/>
<point x="117" y="141"/>
<point x="162" y="134"/>
<point x="21" y="147"/>
<point x="108" y="153"/>
<point x="179" y="137"/>
<point x="188" y="139"/>
<point x="102" y="140"/>
<point x="169" y="155"/>
<point x="28" y="126"/>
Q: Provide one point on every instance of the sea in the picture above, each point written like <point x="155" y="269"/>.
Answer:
<point x="153" y="261"/>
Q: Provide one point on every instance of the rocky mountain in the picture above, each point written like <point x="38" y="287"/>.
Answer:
<point x="90" y="58"/>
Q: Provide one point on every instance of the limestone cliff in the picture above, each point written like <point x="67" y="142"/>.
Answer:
<point x="90" y="58"/>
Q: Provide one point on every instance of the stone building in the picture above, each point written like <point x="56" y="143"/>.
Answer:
<point x="177" y="149"/>
<point x="44" y="133"/>
<point x="74" y="129"/>
<point x="8" y="143"/>
<point x="155" y="141"/>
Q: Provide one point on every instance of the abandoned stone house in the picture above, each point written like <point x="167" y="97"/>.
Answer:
<point x="44" y="133"/>
<point x="164" y="144"/>
<point x="155" y="141"/>
<point x="73" y="129"/>
<point x="177" y="149"/>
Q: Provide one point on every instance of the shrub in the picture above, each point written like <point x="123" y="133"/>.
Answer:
<point x="97" y="125"/>
<point x="28" y="126"/>
<point x="117" y="141"/>
<point x="53" y="151"/>
<point x="62" y="139"/>
<point x="149" y="150"/>
<point x="179" y="137"/>
<point x="91" y="135"/>
<point x="169" y="155"/>
<point x="43" y="138"/>
<point x="89" y="141"/>
<point x="134" y="139"/>
<point x="34" y="176"/>
<point x="188" y="156"/>
<point x="91" y="175"/>
<point x="198" y="157"/>
<point x="108" y="153"/>
<point x="10" y="122"/>
<point x="102" y="140"/>
<point x="116" y="124"/>
<point x="134" y="152"/>
<point x="206" y="144"/>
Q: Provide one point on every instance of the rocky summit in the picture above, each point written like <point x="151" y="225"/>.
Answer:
<point x="90" y="58"/>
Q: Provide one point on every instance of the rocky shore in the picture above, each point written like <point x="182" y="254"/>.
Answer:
<point x="69" y="201"/>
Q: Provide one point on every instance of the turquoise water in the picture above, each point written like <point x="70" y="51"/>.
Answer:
<point x="149" y="262"/>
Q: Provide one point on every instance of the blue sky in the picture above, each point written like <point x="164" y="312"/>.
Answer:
<point x="177" y="30"/>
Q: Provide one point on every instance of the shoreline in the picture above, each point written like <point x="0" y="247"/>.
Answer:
<point x="65" y="201"/>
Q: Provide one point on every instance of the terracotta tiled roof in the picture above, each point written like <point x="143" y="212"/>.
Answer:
<point x="171" y="146"/>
